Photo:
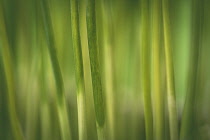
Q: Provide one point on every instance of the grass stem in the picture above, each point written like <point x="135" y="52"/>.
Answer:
<point x="98" y="94"/>
<point x="171" y="96"/>
<point x="188" y="119"/>
<point x="158" y="94"/>
<point x="61" y="101"/>
<point x="8" y="69"/>
<point x="146" y="72"/>
<point x="79" y="72"/>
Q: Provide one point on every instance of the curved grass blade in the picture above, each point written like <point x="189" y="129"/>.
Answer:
<point x="8" y="69"/>
<point x="61" y="101"/>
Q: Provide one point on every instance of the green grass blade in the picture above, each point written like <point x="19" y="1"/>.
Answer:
<point x="98" y="94"/>
<point x="188" y="119"/>
<point x="8" y="68"/>
<point x="145" y="69"/>
<point x="158" y="94"/>
<point x="105" y="39"/>
<point x="81" y="100"/>
<point x="171" y="96"/>
<point x="61" y="101"/>
<point x="45" y="118"/>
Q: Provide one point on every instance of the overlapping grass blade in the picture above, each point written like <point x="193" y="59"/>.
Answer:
<point x="8" y="69"/>
<point x="61" y="101"/>
<point x="171" y="95"/>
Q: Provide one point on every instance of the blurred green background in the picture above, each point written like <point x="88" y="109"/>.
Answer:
<point x="119" y="28"/>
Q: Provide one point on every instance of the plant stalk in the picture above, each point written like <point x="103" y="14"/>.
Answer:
<point x="146" y="69"/>
<point x="171" y="96"/>
<point x="158" y="94"/>
<point x="81" y="100"/>
<point x="61" y="102"/>
<point x="8" y="69"/>
<point x="188" y="119"/>
<point x="98" y="94"/>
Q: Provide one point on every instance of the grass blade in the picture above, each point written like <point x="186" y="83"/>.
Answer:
<point x="81" y="100"/>
<point x="8" y="69"/>
<point x="61" y="102"/>
<point x="158" y="94"/>
<point x="98" y="94"/>
<point x="145" y="66"/>
<point x="188" y="119"/>
<point x="171" y="96"/>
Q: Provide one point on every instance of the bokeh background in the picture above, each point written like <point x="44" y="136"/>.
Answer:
<point x="119" y="27"/>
